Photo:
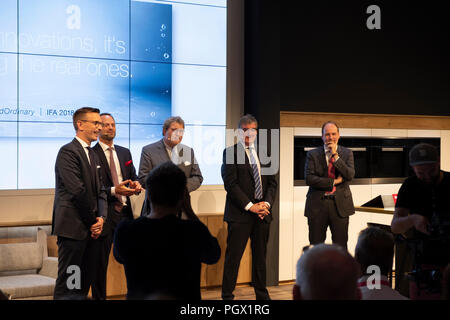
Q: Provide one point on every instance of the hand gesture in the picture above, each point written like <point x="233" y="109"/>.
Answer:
<point x="123" y="189"/>
<point x="332" y="147"/>
<point x="338" y="180"/>
<point x="261" y="209"/>
<point x="136" y="186"/>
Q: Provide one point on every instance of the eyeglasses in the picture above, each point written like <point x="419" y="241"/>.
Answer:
<point x="250" y="130"/>
<point x="95" y="123"/>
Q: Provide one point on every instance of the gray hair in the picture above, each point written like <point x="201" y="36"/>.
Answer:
<point x="248" y="118"/>
<point x="327" y="272"/>
<point x="171" y="120"/>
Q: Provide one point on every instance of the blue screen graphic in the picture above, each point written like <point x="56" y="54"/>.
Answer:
<point x="116" y="55"/>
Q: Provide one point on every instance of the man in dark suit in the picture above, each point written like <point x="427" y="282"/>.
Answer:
<point x="119" y="178"/>
<point x="328" y="171"/>
<point x="79" y="209"/>
<point x="170" y="148"/>
<point x="250" y="196"/>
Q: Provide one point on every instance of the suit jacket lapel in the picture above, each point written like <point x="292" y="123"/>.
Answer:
<point x="163" y="151"/>
<point x="322" y="159"/>
<point x="122" y="160"/>
<point x="240" y="148"/>
<point x="79" y="147"/>
<point x="103" y="161"/>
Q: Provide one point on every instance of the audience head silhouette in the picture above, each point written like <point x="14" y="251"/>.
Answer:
<point x="375" y="247"/>
<point x="327" y="272"/>
<point x="166" y="186"/>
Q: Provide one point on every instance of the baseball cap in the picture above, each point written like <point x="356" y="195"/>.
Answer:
<point x="423" y="153"/>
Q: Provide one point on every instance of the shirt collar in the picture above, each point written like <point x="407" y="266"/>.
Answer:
<point x="245" y="147"/>
<point x="168" y="147"/>
<point x="105" y="146"/>
<point x="83" y="143"/>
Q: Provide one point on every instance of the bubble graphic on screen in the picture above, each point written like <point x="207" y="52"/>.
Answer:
<point x="163" y="27"/>
<point x="163" y="35"/>
<point x="166" y="55"/>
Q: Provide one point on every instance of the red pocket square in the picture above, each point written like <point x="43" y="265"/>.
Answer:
<point x="128" y="163"/>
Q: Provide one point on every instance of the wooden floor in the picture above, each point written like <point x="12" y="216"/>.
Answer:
<point x="245" y="292"/>
<point x="242" y="292"/>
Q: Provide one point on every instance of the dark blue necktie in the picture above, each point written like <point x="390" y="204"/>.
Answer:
<point x="254" y="165"/>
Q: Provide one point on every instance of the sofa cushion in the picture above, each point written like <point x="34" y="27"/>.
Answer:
<point x="26" y="286"/>
<point x="20" y="256"/>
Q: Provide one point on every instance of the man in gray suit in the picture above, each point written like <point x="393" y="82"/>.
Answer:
<point x="170" y="148"/>
<point x="328" y="171"/>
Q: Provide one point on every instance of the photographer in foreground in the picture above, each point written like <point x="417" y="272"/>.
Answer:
<point x="422" y="210"/>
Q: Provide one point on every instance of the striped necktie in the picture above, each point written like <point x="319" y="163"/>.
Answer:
<point x="256" y="177"/>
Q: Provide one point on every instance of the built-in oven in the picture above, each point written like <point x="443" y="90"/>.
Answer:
<point x="377" y="160"/>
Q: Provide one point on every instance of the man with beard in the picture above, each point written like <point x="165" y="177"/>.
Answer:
<point x="119" y="177"/>
<point x="422" y="207"/>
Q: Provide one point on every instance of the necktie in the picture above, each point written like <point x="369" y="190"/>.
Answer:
<point x="118" y="205"/>
<point x="93" y="166"/>
<point x="331" y="173"/>
<point x="256" y="177"/>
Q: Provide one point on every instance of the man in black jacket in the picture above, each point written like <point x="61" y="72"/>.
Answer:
<point x="328" y="171"/>
<point x="79" y="209"/>
<point x="250" y="195"/>
<point x="120" y="180"/>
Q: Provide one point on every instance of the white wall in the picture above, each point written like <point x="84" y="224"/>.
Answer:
<point x="293" y="223"/>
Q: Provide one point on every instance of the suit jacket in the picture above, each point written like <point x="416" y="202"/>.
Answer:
<point x="155" y="154"/>
<point x="78" y="199"/>
<point x="128" y="172"/>
<point x="238" y="181"/>
<point x="316" y="175"/>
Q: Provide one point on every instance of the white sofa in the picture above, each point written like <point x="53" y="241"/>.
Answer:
<point x="26" y="270"/>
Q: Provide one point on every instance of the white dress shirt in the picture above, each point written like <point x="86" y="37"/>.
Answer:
<point x="255" y="156"/>
<point x="85" y="147"/>
<point x="107" y="151"/>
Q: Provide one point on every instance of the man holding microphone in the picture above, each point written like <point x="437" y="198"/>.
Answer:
<point x="328" y="171"/>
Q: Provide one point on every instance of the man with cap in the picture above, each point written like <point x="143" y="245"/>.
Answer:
<point x="423" y="194"/>
<point x="422" y="209"/>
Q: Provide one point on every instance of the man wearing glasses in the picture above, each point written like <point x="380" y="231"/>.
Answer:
<point x="170" y="148"/>
<point x="79" y="209"/>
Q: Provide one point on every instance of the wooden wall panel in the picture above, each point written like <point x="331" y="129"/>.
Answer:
<point x="214" y="273"/>
<point x="351" y="120"/>
<point x="52" y="247"/>
<point x="116" y="282"/>
<point x="17" y="240"/>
